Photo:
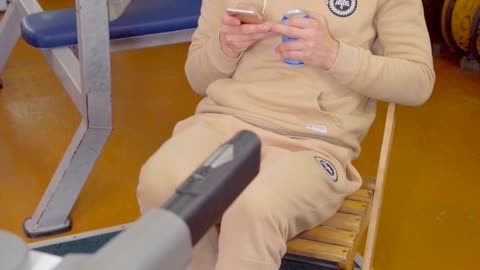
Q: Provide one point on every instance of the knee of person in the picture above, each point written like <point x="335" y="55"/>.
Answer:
<point x="255" y="210"/>
<point x="156" y="185"/>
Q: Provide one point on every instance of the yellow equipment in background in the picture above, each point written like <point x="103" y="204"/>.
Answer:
<point x="454" y="26"/>
<point x="457" y="23"/>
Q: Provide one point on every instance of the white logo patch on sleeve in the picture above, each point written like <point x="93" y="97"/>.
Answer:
<point x="328" y="167"/>
<point x="342" y="8"/>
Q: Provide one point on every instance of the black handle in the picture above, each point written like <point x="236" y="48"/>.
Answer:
<point x="211" y="189"/>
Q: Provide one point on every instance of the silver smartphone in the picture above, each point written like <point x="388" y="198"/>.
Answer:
<point x="245" y="16"/>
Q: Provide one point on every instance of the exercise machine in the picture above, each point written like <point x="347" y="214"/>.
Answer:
<point x="162" y="238"/>
<point x="77" y="43"/>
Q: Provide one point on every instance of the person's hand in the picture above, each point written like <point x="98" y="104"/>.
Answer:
<point x="235" y="37"/>
<point x="315" y="45"/>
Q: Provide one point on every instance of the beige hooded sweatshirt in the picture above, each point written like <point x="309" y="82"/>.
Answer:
<point x="385" y="54"/>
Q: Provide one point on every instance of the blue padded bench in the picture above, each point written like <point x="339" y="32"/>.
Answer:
<point x="58" y="28"/>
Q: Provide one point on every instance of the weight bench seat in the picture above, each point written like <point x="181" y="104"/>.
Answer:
<point x="336" y="242"/>
<point x="58" y="28"/>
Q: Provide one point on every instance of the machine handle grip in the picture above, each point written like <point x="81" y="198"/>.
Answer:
<point x="211" y="189"/>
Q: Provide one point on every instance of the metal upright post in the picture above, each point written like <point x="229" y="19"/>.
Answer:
<point x="52" y="213"/>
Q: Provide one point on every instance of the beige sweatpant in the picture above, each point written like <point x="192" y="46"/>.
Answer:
<point x="293" y="192"/>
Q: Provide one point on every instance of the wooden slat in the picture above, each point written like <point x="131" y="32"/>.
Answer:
<point x="353" y="207"/>
<point x="356" y="244"/>
<point x="363" y="195"/>
<point x="345" y="222"/>
<point x="330" y="235"/>
<point x="369" y="182"/>
<point x="320" y="251"/>
<point x="377" y="200"/>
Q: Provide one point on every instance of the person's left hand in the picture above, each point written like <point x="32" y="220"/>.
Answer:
<point x="315" y="45"/>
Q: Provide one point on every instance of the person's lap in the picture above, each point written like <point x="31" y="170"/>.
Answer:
<point x="292" y="192"/>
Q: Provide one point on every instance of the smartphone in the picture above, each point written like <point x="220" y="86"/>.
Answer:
<point x="245" y="16"/>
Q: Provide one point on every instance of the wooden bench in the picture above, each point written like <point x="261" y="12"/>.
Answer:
<point x="335" y="243"/>
<point x="337" y="240"/>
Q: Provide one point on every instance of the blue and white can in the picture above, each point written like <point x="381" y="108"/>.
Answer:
<point x="288" y="15"/>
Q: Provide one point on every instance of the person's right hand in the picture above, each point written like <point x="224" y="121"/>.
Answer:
<point x="236" y="37"/>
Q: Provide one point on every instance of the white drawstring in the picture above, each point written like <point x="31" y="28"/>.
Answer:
<point x="264" y="6"/>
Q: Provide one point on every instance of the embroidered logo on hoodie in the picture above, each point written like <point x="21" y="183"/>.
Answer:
<point x="342" y="8"/>
<point x="330" y="170"/>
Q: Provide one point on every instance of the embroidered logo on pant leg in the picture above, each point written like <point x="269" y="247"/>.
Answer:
<point x="330" y="170"/>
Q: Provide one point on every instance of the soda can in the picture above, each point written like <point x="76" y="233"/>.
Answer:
<point x="288" y="15"/>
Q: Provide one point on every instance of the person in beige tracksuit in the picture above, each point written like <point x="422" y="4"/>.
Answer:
<point x="311" y="119"/>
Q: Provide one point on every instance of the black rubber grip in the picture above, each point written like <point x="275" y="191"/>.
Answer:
<point x="203" y="198"/>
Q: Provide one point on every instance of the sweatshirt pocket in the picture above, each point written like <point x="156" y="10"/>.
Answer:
<point x="340" y="100"/>
<point x="324" y="113"/>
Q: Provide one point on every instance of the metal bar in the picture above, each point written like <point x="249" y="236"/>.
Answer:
<point x="67" y="68"/>
<point x="79" y="236"/>
<point x="28" y="7"/>
<point x="51" y="215"/>
<point x="61" y="59"/>
<point x="148" y="41"/>
<point x="94" y="55"/>
<point x="35" y="226"/>
<point x="158" y="240"/>
<point x="9" y="32"/>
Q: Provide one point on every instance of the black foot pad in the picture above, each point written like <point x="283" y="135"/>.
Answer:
<point x="46" y="231"/>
